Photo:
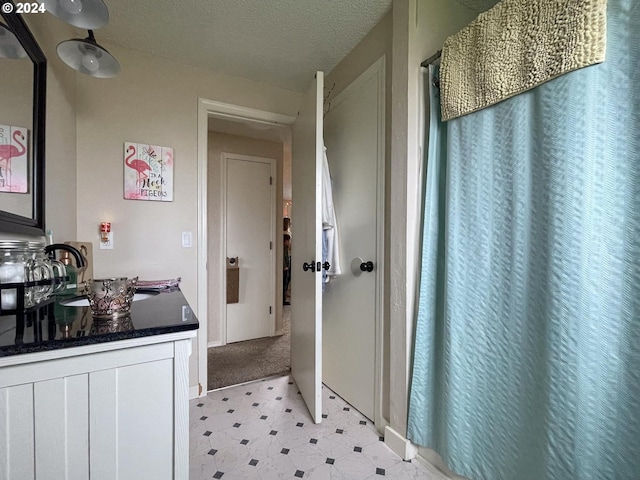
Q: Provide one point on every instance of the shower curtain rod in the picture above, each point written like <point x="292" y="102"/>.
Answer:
<point x="432" y="59"/>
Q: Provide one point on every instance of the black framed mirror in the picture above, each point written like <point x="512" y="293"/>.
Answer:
<point x="22" y="109"/>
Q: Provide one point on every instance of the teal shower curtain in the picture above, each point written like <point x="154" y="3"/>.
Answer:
<point x="526" y="362"/>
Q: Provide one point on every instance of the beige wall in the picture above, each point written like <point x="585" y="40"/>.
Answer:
<point x="154" y="101"/>
<point x="419" y="30"/>
<point x="224" y="143"/>
<point x="377" y="43"/>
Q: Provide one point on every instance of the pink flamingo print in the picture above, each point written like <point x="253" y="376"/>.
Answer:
<point x="7" y="152"/>
<point x="138" y="165"/>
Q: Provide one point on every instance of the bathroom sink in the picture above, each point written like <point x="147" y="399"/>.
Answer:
<point x="83" y="301"/>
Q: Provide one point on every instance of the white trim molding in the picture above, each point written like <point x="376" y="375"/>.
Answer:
<point x="399" y="444"/>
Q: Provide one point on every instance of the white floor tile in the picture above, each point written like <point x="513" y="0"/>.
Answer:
<point x="263" y="431"/>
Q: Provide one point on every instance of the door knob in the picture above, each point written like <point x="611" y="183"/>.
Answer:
<point x="366" y="266"/>
<point x="309" y="266"/>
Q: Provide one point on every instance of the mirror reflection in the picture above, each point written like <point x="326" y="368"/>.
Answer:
<point x="22" y="94"/>
<point x="16" y="120"/>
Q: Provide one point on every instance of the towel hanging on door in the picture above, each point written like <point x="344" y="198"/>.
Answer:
<point x="330" y="237"/>
<point x="233" y="280"/>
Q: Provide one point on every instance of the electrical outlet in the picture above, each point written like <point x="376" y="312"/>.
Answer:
<point x="108" y="245"/>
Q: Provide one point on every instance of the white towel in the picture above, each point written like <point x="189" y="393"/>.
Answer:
<point x="329" y="223"/>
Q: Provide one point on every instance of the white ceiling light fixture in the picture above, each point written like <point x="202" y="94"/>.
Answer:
<point x="86" y="56"/>
<point x="10" y="46"/>
<point x="86" y="14"/>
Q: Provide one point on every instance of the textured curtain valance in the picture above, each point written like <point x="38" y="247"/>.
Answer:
<point x="516" y="46"/>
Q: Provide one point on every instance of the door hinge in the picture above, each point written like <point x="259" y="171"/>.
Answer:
<point x="269" y="310"/>
<point x="270" y="245"/>
<point x="270" y="180"/>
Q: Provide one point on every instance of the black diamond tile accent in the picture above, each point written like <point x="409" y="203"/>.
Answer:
<point x="285" y="451"/>
<point x="380" y="471"/>
<point x="270" y="388"/>
<point x="332" y="397"/>
<point x="313" y="440"/>
<point x="357" y="449"/>
<point x="340" y="431"/>
<point x="203" y="418"/>
<point x="263" y="417"/>
<point x="290" y="383"/>
<point x="244" y="442"/>
<point x="248" y="393"/>
<point x="255" y="404"/>
<point x="200" y="405"/>
<point x="231" y="410"/>
<point x="207" y="433"/>
<point x="273" y="432"/>
<point x="299" y="424"/>
<point x="298" y="392"/>
<point x="381" y="439"/>
<point x="237" y="425"/>
<point x="330" y="461"/>
<point x="299" y="474"/>
<point x="253" y="462"/>
<point x="346" y="409"/>
<point x="212" y="452"/>
<point x="363" y="422"/>
<point x="278" y="398"/>
<point x="324" y="415"/>
<point x="225" y="399"/>
<point x="218" y="474"/>
<point x="288" y="410"/>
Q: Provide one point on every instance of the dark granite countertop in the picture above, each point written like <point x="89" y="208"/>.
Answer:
<point x="66" y="327"/>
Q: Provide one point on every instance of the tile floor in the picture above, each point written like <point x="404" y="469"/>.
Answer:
<point x="263" y="431"/>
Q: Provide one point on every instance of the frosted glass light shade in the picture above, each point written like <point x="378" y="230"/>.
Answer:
<point x="86" y="14"/>
<point x="86" y="56"/>
<point x="10" y="46"/>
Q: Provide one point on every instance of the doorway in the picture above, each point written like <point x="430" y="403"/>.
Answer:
<point x="235" y="139"/>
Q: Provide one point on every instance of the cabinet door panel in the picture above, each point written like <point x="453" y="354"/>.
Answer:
<point x="16" y="432"/>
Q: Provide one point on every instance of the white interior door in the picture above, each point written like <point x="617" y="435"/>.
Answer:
<point x="354" y="136"/>
<point x="250" y="227"/>
<point x="306" y="248"/>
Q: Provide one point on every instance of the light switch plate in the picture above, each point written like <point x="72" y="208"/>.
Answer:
<point x="186" y="239"/>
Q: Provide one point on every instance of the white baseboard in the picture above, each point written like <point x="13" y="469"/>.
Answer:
<point x="279" y="333"/>
<point x="215" y="344"/>
<point x="399" y="444"/>
<point x="193" y="392"/>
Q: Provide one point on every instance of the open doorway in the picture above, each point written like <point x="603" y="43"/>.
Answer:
<point x="246" y="340"/>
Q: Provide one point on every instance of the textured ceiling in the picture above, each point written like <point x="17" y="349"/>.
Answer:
<point x="278" y="42"/>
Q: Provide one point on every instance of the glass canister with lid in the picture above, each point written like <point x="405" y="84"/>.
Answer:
<point x="22" y="262"/>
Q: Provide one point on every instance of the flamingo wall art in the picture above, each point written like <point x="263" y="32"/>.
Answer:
<point x="14" y="153"/>
<point x="148" y="172"/>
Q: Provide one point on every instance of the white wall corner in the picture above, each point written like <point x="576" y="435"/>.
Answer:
<point x="399" y="444"/>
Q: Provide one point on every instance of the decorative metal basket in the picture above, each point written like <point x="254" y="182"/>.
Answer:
<point x="110" y="297"/>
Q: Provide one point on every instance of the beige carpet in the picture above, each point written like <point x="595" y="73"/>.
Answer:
<point x="252" y="359"/>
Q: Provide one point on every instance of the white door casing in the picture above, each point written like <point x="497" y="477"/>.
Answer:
<point x="353" y="302"/>
<point x="210" y="108"/>
<point x="249" y="232"/>
<point x="306" y="286"/>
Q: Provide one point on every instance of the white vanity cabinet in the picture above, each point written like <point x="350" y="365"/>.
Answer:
<point x="104" y="411"/>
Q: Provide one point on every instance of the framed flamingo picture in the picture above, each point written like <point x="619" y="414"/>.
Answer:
<point x="14" y="153"/>
<point x="148" y="172"/>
